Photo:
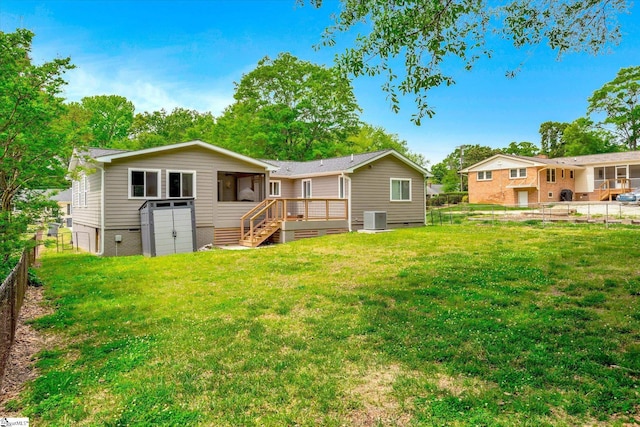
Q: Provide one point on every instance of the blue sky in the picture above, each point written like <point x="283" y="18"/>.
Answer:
<point x="166" y="54"/>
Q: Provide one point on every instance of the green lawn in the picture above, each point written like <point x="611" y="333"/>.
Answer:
<point x="465" y="325"/>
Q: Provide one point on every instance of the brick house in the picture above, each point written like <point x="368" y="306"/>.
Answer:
<point x="518" y="180"/>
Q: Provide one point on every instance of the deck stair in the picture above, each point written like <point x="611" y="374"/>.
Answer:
<point x="261" y="233"/>
<point x="608" y="190"/>
<point x="264" y="220"/>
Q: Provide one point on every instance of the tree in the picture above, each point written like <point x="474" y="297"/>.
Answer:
<point x="583" y="138"/>
<point x="159" y="128"/>
<point x="438" y="172"/>
<point x="374" y="138"/>
<point x="619" y="100"/>
<point x="110" y="119"/>
<point x="551" y="139"/>
<point x="31" y="151"/>
<point x="426" y="33"/>
<point x="462" y="157"/>
<point x="526" y="149"/>
<point x="290" y="109"/>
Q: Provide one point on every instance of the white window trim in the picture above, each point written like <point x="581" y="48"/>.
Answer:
<point x="180" y="172"/>
<point x="275" y="181"/>
<point x="310" y="188"/>
<point x="157" y="171"/>
<point x="342" y="187"/>
<point x="518" y="173"/>
<point x="85" y="190"/>
<point x="484" y="174"/>
<point x="74" y="193"/>
<point x="550" y="194"/>
<point x="552" y="171"/>
<point x="391" y="199"/>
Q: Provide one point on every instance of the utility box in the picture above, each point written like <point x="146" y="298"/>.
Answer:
<point x="168" y="226"/>
<point x="375" y="220"/>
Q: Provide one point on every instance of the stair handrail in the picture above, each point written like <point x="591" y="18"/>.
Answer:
<point x="244" y="217"/>
<point x="263" y="210"/>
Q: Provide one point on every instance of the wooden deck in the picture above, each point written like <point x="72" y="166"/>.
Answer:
<point x="613" y="187"/>
<point x="268" y="217"/>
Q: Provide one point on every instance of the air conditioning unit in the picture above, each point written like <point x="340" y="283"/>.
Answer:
<point x="375" y="220"/>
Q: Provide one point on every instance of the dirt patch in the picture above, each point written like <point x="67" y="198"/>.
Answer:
<point x="20" y="365"/>
<point x="379" y="406"/>
<point x="457" y="386"/>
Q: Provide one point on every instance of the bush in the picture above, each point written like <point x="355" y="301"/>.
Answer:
<point x="448" y="199"/>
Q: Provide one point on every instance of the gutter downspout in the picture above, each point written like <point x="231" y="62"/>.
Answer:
<point x="424" y="200"/>
<point x="101" y="251"/>
<point x="348" y="180"/>
<point x="539" y="181"/>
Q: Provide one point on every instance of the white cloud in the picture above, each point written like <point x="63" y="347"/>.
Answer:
<point x="147" y="90"/>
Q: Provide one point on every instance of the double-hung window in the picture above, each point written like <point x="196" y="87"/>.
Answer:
<point x="518" y="173"/>
<point x="306" y="188"/>
<point x="400" y="190"/>
<point x="551" y="175"/>
<point x="144" y="183"/>
<point x="485" y="175"/>
<point x="181" y="184"/>
<point x="84" y="190"/>
<point x="274" y="188"/>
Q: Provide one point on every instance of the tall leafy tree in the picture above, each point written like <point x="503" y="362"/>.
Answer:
<point x="619" y="101"/>
<point x="582" y="138"/>
<point x="374" y="138"/>
<point x="460" y="158"/>
<point x="31" y="151"/>
<point x="110" y="119"/>
<point x="552" y="141"/>
<point x="291" y="109"/>
<point x="161" y="128"/>
<point x="523" y="148"/>
<point x="425" y="35"/>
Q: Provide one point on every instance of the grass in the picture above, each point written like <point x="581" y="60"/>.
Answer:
<point x="466" y="325"/>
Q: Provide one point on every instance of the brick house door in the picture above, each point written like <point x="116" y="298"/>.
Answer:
<point x="523" y="199"/>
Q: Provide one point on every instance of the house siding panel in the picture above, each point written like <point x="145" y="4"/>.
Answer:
<point x="288" y="188"/>
<point x="90" y="215"/>
<point x="122" y="212"/>
<point x="370" y="187"/>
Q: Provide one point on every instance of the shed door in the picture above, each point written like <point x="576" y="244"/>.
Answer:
<point x="173" y="232"/>
<point x="183" y="230"/>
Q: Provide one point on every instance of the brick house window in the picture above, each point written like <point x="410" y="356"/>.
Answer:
<point x="518" y="173"/>
<point x="551" y="175"/>
<point x="485" y="176"/>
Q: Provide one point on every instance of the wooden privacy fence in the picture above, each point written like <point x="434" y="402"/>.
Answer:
<point x="12" y="293"/>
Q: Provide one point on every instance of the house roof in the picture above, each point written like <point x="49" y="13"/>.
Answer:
<point x="62" y="196"/>
<point x="335" y="165"/>
<point x="434" y="189"/>
<point x="567" y="162"/>
<point x="107" y="156"/>
<point x="531" y="161"/>
<point x="592" y="159"/>
<point x="99" y="152"/>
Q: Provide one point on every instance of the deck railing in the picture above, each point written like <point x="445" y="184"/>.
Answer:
<point x="609" y="187"/>
<point x="273" y="210"/>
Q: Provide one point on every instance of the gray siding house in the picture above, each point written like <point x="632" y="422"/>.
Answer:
<point x="316" y="198"/>
<point x="379" y="181"/>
